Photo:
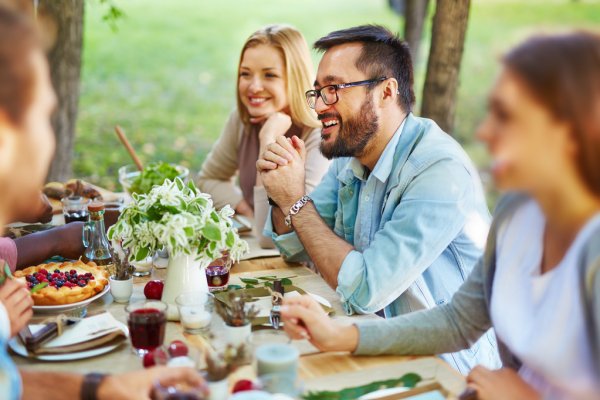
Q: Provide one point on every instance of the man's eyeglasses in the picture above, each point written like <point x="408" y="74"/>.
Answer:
<point x="329" y="93"/>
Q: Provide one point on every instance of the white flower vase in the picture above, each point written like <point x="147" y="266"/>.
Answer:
<point x="185" y="274"/>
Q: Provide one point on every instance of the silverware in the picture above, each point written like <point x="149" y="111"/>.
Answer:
<point x="277" y="299"/>
<point x="33" y="341"/>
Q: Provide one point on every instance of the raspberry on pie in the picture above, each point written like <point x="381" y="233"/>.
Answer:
<point x="68" y="282"/>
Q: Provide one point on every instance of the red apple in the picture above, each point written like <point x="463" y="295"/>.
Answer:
<point x="153" y="289"/>
<point x="178" y="349"/>
<point x="243" y="385"/>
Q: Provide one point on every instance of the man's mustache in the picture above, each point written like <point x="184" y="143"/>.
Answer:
<point x="328" y="115"/>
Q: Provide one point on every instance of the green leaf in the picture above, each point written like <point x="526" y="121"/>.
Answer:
<point x="189" y="232"/>
<point x="286" y="281"/>
<point x="211" y="231"/>
<point x="269" y="284"/>
<point x="141" y="254"/>
<point x="408" y="380"/>
<point x="267" y="278"/>
<point x="38" y="287"/>
<point x="234" y="287"/>
<point x="411" y="379"/>
<point x="250" y="281"/>
<point x="230" y="241"/>
<point x="248" y="286"/>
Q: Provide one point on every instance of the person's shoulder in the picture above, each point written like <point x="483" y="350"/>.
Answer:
<point x="234" y="117"/>
<point x="432" y="137"/>
<point x="591" y="248"/>
<point x="234" y="127"/>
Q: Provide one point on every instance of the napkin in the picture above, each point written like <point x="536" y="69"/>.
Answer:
<point x="90" y="333"/>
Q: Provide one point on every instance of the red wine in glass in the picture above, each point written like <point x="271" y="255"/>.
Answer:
<point x="72" y="216"/>
<point x="217" y="277"/>
<point x="146" y="328"/>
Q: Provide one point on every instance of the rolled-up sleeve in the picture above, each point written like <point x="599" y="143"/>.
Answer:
<point x="325" y="200"/>
<point x="433" y="210"/>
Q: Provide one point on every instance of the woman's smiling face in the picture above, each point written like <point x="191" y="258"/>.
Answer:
<point x="262" y="81"/>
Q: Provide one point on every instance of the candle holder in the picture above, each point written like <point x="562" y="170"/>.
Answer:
<point x="195" y="311"/>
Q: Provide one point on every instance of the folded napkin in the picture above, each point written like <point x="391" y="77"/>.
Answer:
<point x="90" y="333"/>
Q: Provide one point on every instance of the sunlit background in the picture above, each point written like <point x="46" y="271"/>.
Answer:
<point x="167" y="74"/>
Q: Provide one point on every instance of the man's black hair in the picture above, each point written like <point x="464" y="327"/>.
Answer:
<point x="383" y="54"/>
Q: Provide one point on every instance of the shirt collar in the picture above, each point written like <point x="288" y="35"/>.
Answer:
<point x="384" y="165"/>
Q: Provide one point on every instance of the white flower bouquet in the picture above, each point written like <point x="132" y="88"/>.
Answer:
<point x="177" y="217"/>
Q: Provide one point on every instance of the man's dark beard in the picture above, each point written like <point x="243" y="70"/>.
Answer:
<point x="354" y="134"/>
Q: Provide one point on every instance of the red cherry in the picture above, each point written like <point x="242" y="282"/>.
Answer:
<point x="148" y="360"/>
<point x="178" y="349"/>
<point x="243" y="385"/>
<point x="153" y="290"/>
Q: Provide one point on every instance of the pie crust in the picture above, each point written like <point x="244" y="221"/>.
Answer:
<point x="53" y="296"/>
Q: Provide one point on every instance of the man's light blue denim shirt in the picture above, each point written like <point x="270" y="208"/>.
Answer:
<point x="418" y="223"/>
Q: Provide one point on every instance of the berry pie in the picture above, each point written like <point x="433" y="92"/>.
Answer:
<point x="68" y="282"/>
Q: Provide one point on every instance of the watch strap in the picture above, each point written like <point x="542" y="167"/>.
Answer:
<point x="89" y="387"/>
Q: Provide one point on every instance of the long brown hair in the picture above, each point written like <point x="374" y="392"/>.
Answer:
<point x="299" y="71"/>
<point x="18" y="38"/>
<point x="563" y="73"/>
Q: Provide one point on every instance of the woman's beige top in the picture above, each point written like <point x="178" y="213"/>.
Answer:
<point x="236" y="153"/>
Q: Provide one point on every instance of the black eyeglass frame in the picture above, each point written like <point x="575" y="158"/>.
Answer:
<point x="316" y="93"/>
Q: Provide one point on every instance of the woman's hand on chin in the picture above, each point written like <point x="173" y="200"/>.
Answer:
<point x="275" y="125"/>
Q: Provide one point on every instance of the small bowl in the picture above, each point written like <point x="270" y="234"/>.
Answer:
<point x="129" y="173"/>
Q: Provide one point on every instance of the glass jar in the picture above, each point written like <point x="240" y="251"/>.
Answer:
<point x="97" y="246"/>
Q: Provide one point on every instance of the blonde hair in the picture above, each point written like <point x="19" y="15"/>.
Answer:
<point x="298" y="68"/>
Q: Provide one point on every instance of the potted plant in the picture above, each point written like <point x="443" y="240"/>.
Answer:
<point x="121" y="276"/>
<point x="218" y="367"/>
<point x="237" y="316"/>
<point x="181" y="219"/>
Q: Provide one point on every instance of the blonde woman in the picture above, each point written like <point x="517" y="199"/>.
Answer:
<point x="275" y="70"/>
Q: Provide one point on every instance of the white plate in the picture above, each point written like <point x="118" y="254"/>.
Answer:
<point x="16" y="346"/>
<point x="67" y="307"/>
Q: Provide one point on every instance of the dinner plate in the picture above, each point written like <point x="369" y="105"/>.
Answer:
<point x="67" y="307"/>
<point x="16" y="346"/>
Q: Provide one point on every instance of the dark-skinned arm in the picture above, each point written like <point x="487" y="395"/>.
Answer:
<point x="65" y="241"/>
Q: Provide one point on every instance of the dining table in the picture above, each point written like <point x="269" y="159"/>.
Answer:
<point x="318" y="370"/>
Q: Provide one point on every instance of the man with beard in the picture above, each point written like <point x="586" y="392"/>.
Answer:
<point x="400" y="218"/>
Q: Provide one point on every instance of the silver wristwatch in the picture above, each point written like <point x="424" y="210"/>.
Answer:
<point x="295" y="208"/>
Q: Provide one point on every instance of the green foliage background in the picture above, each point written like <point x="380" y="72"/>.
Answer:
<point x="167" y="74"/>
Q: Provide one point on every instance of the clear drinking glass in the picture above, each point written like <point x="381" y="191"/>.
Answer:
<point x="75" y="209"/>
<point x="217" y="273"/>
<point x="281" y="383"/>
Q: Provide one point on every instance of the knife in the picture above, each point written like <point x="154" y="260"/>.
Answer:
<point x="33" y="342"/>
<point x="275" y="316"/>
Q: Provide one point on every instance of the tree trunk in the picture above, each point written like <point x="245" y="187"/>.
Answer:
<point x="414" y="20"/>
<point x="66" y="16"/>
<point x="447" y="44"/>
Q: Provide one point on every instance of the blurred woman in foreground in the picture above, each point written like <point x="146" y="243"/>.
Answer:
<point x="26" y="148"/>
<point x="538" y="283"/>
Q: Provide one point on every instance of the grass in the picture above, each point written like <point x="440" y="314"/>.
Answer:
<point x="167" y="76"/>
